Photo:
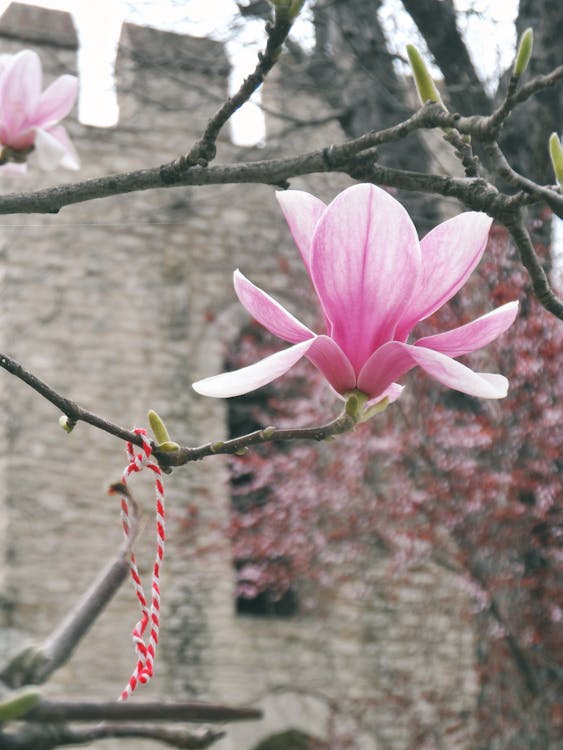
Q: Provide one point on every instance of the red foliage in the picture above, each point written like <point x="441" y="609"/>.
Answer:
<point x="440" y="475"/>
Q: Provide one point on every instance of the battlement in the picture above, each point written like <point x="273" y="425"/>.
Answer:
<point x="151" y="66"/>
<point x="41" y="26"/>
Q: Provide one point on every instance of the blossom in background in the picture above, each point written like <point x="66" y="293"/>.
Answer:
<point x="29" y="117"/>
<point x="375" y="281"/>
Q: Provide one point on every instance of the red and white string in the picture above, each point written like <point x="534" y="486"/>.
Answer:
<point x="150" y="616"/>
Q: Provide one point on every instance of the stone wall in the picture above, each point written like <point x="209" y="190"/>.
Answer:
<point x="120" y="304"/>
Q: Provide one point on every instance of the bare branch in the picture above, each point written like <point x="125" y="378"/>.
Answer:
<point x="537" y="84"/>
<point x="35" y="665"/>
<point x="514" y="222"/>
<point x="272" y="171"/>
<point x="504" y="170"/>
<point x="48" y="737"/>
<point x="190" y="711"/>
<point x="74" y="412"/>
<point x="337" y="426"/>
<point x="180" y="738"/>
<point x="204" y="150"/>
<point x="334" y="158"/>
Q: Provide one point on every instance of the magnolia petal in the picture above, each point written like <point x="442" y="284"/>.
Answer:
<point x="302" y="212"/>
<point x="383" y="368"/>
<point x="395" y="359"/>
<point x="329" y="358"/>
<point x="474" y="335"/>
<point x="269" y="313"/>
<point x="56" y="101"/>
<point x="365" y="264"/>
<point x="4" y="62"/>
<point x="20" y="89"/>
<point x="254" y="376"/>
<point x="450" y="253"/>
<point x="50" y="152"/>
<point x="454" y="375"/>
<point x="70" y="158"/>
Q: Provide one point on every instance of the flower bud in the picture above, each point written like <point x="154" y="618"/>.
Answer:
<point x="18" y="703"/>
<point x="168" y="446"/>
<point x="291" y="8"/>
<point x="67" y="424"/>
<point x="158" y="428"/>
<point x="556" y="155"/>
<point x="524" y="52"/>
<point x="425" y="86"/>
<point x="295" y="8"/>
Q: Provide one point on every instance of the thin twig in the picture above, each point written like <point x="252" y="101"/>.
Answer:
<point x="74" y="412"/>
<point x="539" y="83"/>
<point x="343" y="423"/>
<point x="184" y="455"/>
<point x="498" y="159"/>
<point x="204" y="149"/>
<point x="189" y="711"/>
<point x="514" y="222"/>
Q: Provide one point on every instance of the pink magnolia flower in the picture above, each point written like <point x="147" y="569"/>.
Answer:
<point x="30" y="117"/>
<point x="375" y="281"/>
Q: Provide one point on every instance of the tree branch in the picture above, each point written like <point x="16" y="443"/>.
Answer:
<point x="189" y="711"/>
<point x="74" y="412"/>
<point x="184" y="454"/>
<point x="34" y="665"/>
<point x="204" y="150"/>
<point x="504" y="170"/>
<point x="343" y="423"/>
<point x="514" y="222"/>
<point x="50" y="736"/>
<point x="536" y="85"/>
<point x="180" y="738"/>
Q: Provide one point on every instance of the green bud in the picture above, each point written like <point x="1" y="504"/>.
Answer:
<point x="425" y="86"/>
<point x="295" y="8"/>
<point x="216" y="447"/>
<point x="524" y="52"/>
<point x="289" y="8"/>
<point x="242" y="451"/>
<point x="556" y="154"/>
<point x="67" y="424"/>
<point x="168" y="446"/>
<point x="158" y="429"/>
<point x="18" y="703"/>
<point x="267" y="432"/>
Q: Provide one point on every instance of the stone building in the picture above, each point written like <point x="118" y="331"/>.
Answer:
<point x="120" y="304"/>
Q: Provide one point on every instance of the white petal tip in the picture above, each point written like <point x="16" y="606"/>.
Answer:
<point x="498" y="385"/>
